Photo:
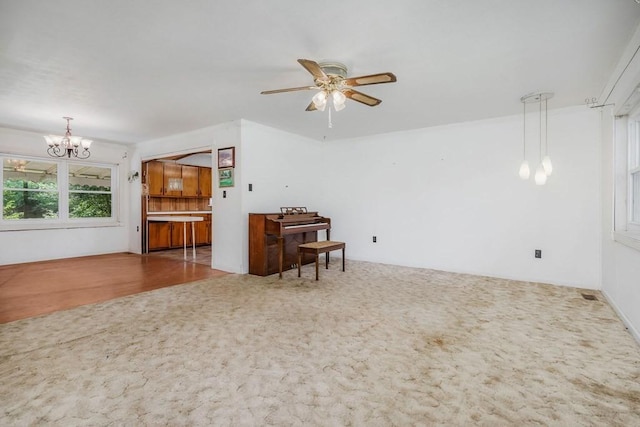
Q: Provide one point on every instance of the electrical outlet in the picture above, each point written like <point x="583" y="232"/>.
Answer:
<point x="538" y="253"/>
<point x="224" y="194"/>
<point x="375" y="239"/>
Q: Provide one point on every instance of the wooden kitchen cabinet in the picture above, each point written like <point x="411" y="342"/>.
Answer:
<point x="177" y="234"/>
<point x="155" y="178"/>
<point x="190" y="181"/>
<point x="196" y="181"/>
<point x="203" y="230"/>
<point x="170" y="235"/>
<point x="204" y="182"/>
<point x="172" y="171"/>
<point x="159" y="235"/>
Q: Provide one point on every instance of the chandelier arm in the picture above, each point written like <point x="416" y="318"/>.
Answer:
<point x="67" y="145"/>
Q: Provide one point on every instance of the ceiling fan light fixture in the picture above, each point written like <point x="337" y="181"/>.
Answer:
<point x="330" y="79"/>
<point x="320" y="100"/>
<point x="339" y="99"/>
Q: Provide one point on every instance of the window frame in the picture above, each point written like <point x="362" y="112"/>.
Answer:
<point x="632" y="167"/>
<point x="64" y="220"/>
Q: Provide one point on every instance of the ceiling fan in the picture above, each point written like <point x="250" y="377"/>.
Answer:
<point x="331" y="80"/>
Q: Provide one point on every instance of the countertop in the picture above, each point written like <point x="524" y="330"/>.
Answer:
<point x="175" y="218"/>
<point x="179" y="213"/>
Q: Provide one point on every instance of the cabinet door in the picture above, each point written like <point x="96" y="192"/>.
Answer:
<point x="177" y="235"/>
<point x="204" y="182"/>
<point x="159" y="233"/>
<point x="172" y="172"/>
<point x="154" y="178"/>
<point x="203" y="231"/>
<point x="189" y="181"/>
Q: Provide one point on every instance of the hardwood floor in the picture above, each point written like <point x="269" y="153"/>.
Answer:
<point x="33" y="289"/>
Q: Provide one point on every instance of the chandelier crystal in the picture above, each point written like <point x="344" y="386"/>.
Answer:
<point x="68" y="145"/>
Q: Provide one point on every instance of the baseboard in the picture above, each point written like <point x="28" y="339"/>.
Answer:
<point x="632" y="330"/>
<point x="228" y="268"/>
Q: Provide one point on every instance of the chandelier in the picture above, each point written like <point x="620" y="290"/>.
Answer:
<point x="68" y="145"/>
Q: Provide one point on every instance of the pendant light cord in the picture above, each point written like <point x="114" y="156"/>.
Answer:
<point x="524" y="131"/>
<point x="546" y="129"/>
<point x="540" y="143"/>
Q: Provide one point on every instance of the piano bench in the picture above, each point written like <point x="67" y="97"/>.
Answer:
<point x="318" y="248"/>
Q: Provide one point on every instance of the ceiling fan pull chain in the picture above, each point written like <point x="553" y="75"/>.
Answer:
<point x="330" y="124"/>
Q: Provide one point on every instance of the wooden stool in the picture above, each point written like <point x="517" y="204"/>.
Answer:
<point x="318" y="248"/>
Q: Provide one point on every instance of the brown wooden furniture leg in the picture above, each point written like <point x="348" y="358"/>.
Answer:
<point x="318" y="248"/>
<point x="280" y="255"/>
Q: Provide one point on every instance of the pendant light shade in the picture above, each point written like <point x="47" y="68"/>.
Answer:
<point x="524" y="170"/>
<point x="541" y="176"/>
<point x="546" y="164"/>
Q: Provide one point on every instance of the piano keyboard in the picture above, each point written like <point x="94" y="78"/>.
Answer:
<point x="315" y="224"/>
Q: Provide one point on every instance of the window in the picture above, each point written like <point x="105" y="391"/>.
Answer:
<point x="634" y="176"/>
<point x="30" y="190"/>
<point x="89" y="191"/>
<point x="56" y="192"/>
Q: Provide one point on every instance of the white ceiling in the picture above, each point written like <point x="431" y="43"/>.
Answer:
<point x="130" y="71"/>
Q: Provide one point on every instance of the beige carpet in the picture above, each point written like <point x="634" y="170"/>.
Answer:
<point x="376" y="346"/>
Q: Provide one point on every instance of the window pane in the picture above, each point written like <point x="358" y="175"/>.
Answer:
<point x="89" y="205"/>
<point x="21" y="173"/>
<point x="20" y="204"/>
<point x="89" y="178"/>
<point x="635" y="197"/>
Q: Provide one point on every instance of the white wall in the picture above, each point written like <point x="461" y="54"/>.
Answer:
<point x="38" y="245"/>
<point x="450" y="198"/>
<point x="284" y="170"/>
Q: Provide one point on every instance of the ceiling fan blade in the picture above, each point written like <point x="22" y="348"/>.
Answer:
<point x="361" y="97"/>
<point x="372" y="79"/>
<point x="311" y="107"/>
<point x="313" y="68"/>
<point x="291" y="89"/>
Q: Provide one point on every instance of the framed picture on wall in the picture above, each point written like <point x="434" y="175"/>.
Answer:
<point x="227" y="157"/>
<point x="225" y="177"/>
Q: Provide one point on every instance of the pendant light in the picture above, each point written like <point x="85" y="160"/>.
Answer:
<point x="524" y="166"/>
<point x="544" y="168"/>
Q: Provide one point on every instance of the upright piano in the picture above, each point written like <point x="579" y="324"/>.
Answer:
<point x="274" y="239"/>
